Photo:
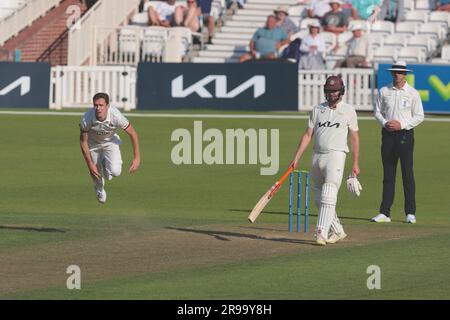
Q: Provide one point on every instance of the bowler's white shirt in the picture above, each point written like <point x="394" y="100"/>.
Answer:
<point x="103" y="133"/>
<point x="331" y="126"/>
<point x="403" y="105"/>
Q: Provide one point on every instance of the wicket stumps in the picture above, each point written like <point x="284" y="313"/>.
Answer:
<point x="300" y="179"/>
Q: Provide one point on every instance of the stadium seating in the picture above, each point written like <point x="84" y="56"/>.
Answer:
<point x="412" y="54"/>
<point x="153" y="43"/>
<point x="7" y="7"/>
<point x="415" y="39"/>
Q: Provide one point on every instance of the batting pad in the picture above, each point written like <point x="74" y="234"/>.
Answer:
<point x="329" y="194"/>
<point x="327" y="209"/>
<point x="336" y="226"/>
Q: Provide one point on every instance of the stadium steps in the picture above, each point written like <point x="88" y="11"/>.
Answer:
<point x="34" y="40"/>
<point x="233" y="39"/>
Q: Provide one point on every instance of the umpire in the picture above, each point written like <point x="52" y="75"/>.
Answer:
<point x="398" y="110"/>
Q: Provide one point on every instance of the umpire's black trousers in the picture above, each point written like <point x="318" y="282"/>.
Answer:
<point x="398" y="145"/>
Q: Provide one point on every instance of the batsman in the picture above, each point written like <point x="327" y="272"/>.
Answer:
<point x="332" y="123"/>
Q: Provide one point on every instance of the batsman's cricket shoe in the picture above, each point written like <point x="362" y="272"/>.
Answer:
<point x="410" y="218"/>
<point x="381" y="218"/>
<point x="320" y="240"/>
<point x="335" y="237"/>
<point x="101" y="196"/>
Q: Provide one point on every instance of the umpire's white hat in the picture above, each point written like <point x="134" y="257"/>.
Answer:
<point x="399" y="66"/>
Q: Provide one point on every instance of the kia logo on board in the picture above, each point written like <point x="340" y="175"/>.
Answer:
<point x="258" y="83"/>
<point x="24" y="83"/>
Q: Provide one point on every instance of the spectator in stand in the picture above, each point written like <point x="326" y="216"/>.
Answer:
<point x="393" y="10"/>
<point x="284" y="22"/>
<point x="208" y="19"/>
<point x="443" y="5"/>
<point x="347" y="9"/>
<point x="266" y="41"/>
<point x="366" y="9"/>
<point x="357" y="49"/>
<point x="162" y="14"/>
<point x="318" y="8"/>
<point x="240" y="3"/>
<point x="188" y="16"/>
<point x="312" y="49"/>
<point x="335" y="20"/>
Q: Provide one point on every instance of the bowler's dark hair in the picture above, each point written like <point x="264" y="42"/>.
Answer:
<point x="101" y="95"/>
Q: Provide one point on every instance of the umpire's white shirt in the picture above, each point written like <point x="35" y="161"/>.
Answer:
<point x="331" y="126"/>
<point x="402" y="104"/>
<point x="103" y="133"/>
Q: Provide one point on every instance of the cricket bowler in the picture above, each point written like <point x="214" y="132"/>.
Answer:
<point x="100" y="143"/>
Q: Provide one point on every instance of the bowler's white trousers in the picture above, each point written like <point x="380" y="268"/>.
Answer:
<point x="108" y="160"/>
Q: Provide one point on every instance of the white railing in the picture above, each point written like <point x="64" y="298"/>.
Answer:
<point x="359" y="83"/>
<point x="83" y="39"/>
<point x="74" y="87"/>
<point x="23" y="17"/>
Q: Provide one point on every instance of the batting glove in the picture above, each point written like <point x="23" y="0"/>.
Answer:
<point x="353" y="186"/>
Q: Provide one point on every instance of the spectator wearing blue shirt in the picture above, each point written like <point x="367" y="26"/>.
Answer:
<point x="364" y="9"/>
<point x="284" y="22"/>
<point x="266" y="41"/>
<point x="443" y="5"/>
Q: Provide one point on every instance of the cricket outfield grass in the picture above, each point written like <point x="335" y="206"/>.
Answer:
<point x="181" y="231"/>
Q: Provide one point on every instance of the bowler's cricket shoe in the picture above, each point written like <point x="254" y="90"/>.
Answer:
<point x="410" y="218"/>
<point x="381" y="218"/>
<point x="335" y="237"/>
<point x="101" y="196"/>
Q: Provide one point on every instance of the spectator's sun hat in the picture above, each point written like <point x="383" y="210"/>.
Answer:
<point x="314" y="24"/>
<point x="339" y="2"/>
<point x="282" y="8"/>
<point x="356" y="26"/>
<point x="399" y="66"/>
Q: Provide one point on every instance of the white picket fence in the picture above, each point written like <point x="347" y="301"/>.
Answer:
<point x="73" y="87"/>
<point x="359" y="83"/>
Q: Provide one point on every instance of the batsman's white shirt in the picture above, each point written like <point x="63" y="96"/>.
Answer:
<point x="331" y="126"/>
<point x="103" y="133"/>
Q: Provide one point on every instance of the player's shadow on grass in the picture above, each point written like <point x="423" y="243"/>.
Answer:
<point x="295" y="213"/>
<point x="222" y="235"/>
<point x="34" y="229"/>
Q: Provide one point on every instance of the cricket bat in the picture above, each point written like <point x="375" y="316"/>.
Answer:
<point x="267" y="197"/>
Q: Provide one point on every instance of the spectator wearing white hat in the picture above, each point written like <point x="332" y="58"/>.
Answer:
<point x="284" y="22"/>
<point x="335" y="21"/>
<point x="357" y="49"/>
<point x="312" y="49"/>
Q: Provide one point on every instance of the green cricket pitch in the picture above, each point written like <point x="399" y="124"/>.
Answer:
<point x="181" y="232"/>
